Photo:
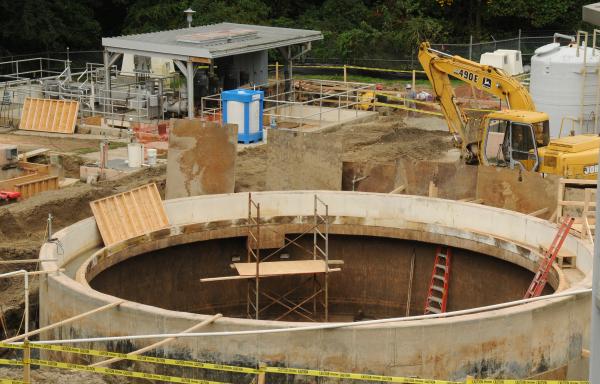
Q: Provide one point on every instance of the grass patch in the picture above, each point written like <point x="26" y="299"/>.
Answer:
<point x="111" y="145"/>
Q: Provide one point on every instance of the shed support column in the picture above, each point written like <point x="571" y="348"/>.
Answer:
<point x="106" y="76"/>
<point x="109" y="60"/>
<point x="190" y="89"/>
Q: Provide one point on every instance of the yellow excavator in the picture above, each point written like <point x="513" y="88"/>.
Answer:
<point x="516" y="137"/>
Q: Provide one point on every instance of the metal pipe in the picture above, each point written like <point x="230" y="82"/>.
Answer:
<point x="323" y="326"/>
<point x="190" y="89"/>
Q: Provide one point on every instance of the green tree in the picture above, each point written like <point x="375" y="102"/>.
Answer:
<point x="47" y="25"/>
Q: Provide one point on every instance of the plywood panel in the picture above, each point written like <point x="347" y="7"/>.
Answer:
<point x="48" y="115"/>
<point x="130" y="214"/>
<point x="280" y="268"/>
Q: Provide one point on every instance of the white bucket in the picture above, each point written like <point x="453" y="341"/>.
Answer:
<point x="151" y="156"/>
<point x="135" y="155"/>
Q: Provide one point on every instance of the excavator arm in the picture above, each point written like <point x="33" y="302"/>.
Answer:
<point x="440" y="66"/>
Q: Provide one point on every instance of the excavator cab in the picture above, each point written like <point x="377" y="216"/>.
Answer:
<point x="511" y="138"/>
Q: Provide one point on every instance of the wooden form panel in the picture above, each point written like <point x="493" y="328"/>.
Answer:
<point x="48" y="115"/>
<point x="34" y="187"/>
<point x="41" y="169"/>
<point x="130" y="214"/>
<point x="281" y="268"/>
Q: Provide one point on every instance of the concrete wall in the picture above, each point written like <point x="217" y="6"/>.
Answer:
<point x="302" y="160"/>
<point x="374" y="279"/>
<point x="201" y="158"/>
<point x="512" y="342"/>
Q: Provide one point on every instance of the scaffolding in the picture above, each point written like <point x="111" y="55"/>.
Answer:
<point x="309" y="299"/>
<point x="315" y="271"/>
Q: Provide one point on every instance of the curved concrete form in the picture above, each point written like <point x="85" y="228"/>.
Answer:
<point x="516" y="342"/>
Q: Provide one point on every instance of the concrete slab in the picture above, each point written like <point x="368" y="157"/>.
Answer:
<point x="201" y="158"/>
<point x="303" y="160"/>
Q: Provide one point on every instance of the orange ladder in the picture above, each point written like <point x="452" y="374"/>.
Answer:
<point x="540" y="278"/>
<point x="437" y="296"/>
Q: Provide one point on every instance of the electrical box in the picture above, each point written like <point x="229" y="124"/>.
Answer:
<point x="244" y="107"/>
<point x="9" y="155"/>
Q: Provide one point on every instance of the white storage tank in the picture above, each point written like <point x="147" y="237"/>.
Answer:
<point x="561" y="87"/>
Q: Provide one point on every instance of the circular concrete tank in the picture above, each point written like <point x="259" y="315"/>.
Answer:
<point x="376" y="236"/>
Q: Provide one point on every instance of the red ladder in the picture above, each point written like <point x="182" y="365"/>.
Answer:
<point x="437" y="296"/>
<point x="540" y="278"/>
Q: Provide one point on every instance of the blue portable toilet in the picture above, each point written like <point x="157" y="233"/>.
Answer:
<point x="244" y="107"/>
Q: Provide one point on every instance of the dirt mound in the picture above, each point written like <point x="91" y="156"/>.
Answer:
<point x="251" y="169"/>
<point x="390" y="139"/>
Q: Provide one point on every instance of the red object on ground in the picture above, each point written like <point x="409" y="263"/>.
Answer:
<point x="9" y="196"/>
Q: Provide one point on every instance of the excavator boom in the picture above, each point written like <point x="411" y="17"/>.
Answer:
<point x="439" y="67"/>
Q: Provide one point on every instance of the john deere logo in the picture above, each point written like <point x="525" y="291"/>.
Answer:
<point x="487" y="82"/>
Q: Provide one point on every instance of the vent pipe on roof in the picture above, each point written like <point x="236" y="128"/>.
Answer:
<point x="189" y="13"/>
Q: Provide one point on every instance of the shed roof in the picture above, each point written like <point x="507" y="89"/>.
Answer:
<point x="210" y="41"/>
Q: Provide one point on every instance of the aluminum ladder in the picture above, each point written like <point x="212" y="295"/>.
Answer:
<point x="437" y="295"/>
<point x="541" y="276"/>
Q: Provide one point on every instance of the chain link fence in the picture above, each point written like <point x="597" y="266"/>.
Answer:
<point x="472" y="50"/>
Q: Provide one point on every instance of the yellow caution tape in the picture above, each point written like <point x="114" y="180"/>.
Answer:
<point x="10" y="362"/>
<point x="353" y="67"/>
<point x="230" y="368"/>
<point x="11" y="346"/>
<point x="503" y="381"/>
<point x="146" y="359"/>
<point x="355" y="376"/>
<point x="11" y="381"/>
<point x="398" y="106"/>
<point x="119" y="372"/>
<point x="382" y="69"/>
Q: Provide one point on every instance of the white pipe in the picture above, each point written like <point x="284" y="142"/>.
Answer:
<point x="317" y="327"/>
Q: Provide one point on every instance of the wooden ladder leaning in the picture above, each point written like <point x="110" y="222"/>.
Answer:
<point x="437" y="295"/>
<point x="541" y="276"/>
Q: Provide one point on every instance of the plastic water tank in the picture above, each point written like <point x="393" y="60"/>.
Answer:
<point x="244" y="107"/>
<point x="559" y="86"/>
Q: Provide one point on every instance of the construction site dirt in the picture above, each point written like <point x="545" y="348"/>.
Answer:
<point x="23" y="225"/>
<point x="376" y="156"/>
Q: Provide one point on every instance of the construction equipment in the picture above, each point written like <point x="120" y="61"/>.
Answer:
<point x="437" y="295"/>
<point x="541" y="276"/>
<point x="7" y="197"/>
<point x="515" y="137"/>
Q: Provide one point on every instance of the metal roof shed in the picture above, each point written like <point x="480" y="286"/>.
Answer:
<point x="204" y="44"/>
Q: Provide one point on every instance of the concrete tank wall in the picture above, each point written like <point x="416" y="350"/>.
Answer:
<point x="374" y="279"/>
<point x="513" y="342"/>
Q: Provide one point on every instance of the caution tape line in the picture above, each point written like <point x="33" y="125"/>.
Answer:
<point x="353" y="67"/>
<point x="503" y="381"/>
<point x="398" y="106"/>
<point x="230" y="368"/>
<point x="147" y="359"/>
<point x="119" y="372"/>
<point x="10" y="362"/>
<point x="11" y="346"/>
<point x="11" y="381"/>
<point x="355" y="376"/>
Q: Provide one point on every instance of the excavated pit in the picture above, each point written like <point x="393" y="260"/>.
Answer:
<point x="374" y="281"/>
